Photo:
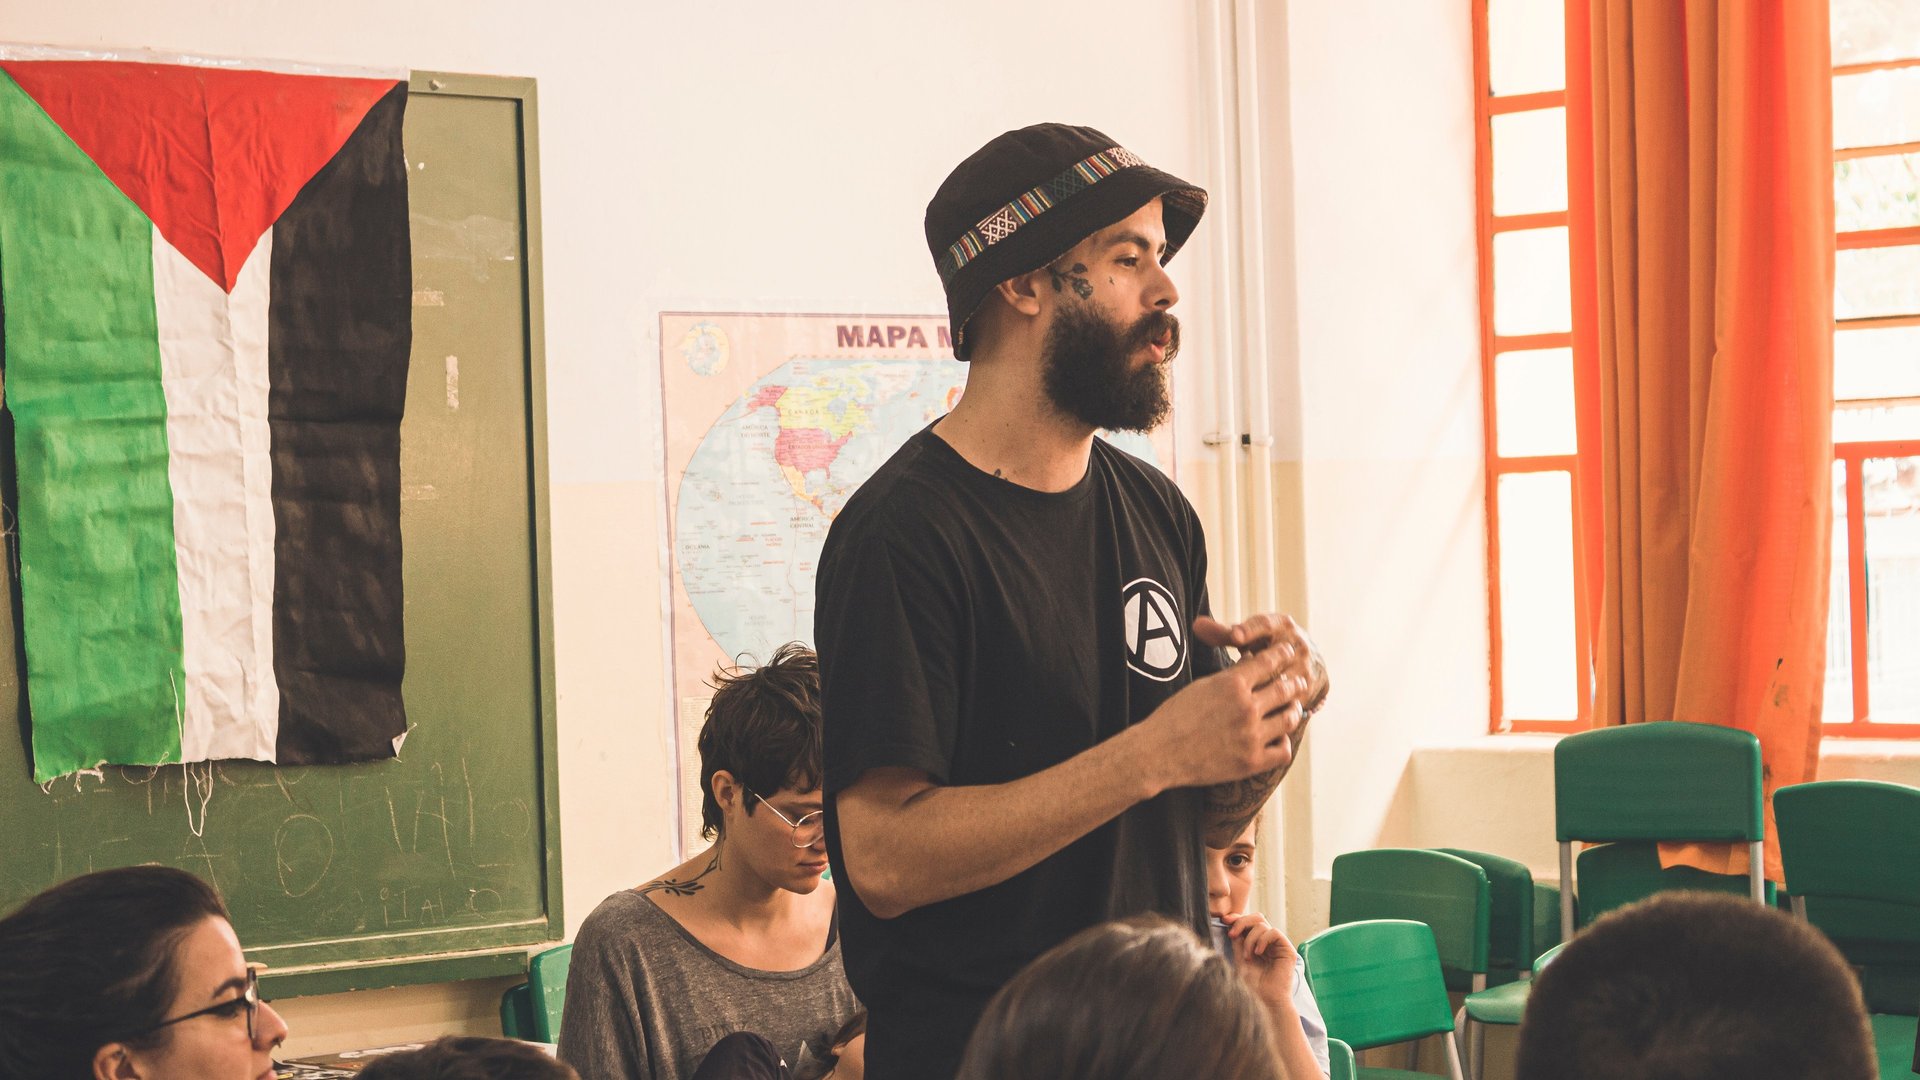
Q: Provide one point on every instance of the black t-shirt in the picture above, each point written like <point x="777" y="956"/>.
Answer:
<point x="981" y="632"/>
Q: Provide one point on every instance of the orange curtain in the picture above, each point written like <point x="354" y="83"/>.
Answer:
<point x="1713" y="257"/>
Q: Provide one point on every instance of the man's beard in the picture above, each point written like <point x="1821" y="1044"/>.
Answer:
<point x="1088" y="373"/>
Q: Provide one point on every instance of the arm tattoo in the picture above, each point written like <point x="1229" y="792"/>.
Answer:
<point x="1231" y="807"/>
<point x="683" y="888"/>
<point x="1075" y="275"/>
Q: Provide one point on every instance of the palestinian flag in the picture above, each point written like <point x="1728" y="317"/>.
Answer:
<point x="205" y="280"/>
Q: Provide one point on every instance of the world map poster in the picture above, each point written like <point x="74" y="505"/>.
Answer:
<point x="772" y="422"/>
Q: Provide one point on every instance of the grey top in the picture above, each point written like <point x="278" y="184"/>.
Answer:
<point x="646" y="1000"/>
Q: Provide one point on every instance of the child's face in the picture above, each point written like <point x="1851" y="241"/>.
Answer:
<point x="1230" y="875"/>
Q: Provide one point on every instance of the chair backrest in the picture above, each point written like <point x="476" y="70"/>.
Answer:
<point x="1546" y="918"/>
<point x="516" y="1013"/>
<point x="1850" y="839"/>
<point x="547" y="989"/>
<point x="1340" y="1063"/>
<point x="1847" y="847"/>
<point x="1378" y="982"/>
<point x="1510" y="922"/>
<point x="1614" y="875"/>
<point x="1448" y="893"/>
<point x="1666" y="780"/>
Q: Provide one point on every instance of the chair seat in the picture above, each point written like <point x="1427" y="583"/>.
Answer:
<point x="1893" y="1038"/>
<point x="1499" y="1005"/>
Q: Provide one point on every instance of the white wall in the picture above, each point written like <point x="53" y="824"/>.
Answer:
<point x="1375" y="242"/>
<point x="756" y="154"/>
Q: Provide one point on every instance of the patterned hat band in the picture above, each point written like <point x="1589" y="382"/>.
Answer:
<point x="1007" y="220"/>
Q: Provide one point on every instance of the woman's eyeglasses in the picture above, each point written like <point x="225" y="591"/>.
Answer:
<point x="806" y="831"/>
<point x="248" y="1002"/>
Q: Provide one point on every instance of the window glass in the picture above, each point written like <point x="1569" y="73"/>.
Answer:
<point x="1530" y="162"/>
<point x="1531" y="290"/>
<point x="1533" y="403"/>
<point x="1538" y="679"/>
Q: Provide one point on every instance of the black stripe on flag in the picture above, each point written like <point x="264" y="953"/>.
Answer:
<point x="339" y="333"/>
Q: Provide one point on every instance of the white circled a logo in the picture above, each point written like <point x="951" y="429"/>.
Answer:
<point x="1156" y="636"/>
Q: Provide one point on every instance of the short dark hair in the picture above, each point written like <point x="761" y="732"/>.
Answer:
<point x="1701" y="986"/>
<point x="1139" y="999"/>
<point x="469" y="1057"/>
<point x="89" y="962"/>
<point x="763" y="726"/>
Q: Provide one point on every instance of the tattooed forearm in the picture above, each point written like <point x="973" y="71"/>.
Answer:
<point x="1232" y="807"/>
<point x="1076" y="275"/>
<point x="685" y="887"/>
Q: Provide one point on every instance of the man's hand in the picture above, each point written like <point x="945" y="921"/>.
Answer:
<point x="1265" y="631"/>
<point x="1232" y="804"/>
<point x="1227" y="726"/>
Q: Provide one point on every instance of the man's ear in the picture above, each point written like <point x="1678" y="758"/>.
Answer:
<point x="115" y="1062"/>
<point x="1022" y="293"/>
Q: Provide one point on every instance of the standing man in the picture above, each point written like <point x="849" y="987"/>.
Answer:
<point x="1030" y="723"/>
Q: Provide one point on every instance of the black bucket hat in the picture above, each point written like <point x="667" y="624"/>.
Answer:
<point x="1027" y="197"/>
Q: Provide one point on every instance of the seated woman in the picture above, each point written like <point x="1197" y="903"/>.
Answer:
<point x="469" y="1057"/>
<point x="1299" y="1030"/>
<point x="740" y="937"/>
<point x="1139" y="999"/>
<point x="130" y="974"/>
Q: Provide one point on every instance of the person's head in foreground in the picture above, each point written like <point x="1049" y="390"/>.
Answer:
<point x="760" y="769"/>
<point x="1052" y="240"/>
<point x="130" y="974"/>
<point x="469" y="1058"/>
<point x="1140" y="999"/>
<point x="1697" y="986"/>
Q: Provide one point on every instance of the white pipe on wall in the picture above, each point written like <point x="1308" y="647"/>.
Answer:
<point x="1255" y="366"/>
<point x="1224" y="425"/>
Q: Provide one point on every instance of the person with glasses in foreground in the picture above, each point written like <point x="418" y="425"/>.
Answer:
<point x="740" y="938"/>
<point x="130" y="974"/>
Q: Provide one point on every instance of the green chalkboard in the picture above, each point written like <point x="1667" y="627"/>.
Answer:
<point x="436" y="865"/>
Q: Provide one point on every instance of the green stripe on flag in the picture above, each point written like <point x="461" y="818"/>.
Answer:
<point x="101" y="603"/>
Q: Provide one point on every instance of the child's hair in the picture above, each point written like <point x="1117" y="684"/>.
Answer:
<point x="1701" y="986"/>
<point x="1140" y="999"/>
<point x="90" y="962"/>
<point x="469" y="1057"/>
<point x="763" y="727"/>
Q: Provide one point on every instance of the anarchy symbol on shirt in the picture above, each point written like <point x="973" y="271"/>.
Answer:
<point x="1156" y="643"/>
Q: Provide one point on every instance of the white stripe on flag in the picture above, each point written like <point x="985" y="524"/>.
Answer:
<point x="213" y="362"/>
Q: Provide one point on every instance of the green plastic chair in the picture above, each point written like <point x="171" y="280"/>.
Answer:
<point x="1847" y="847"/>
<point x="547" y="991"/>
<point x="1452" y="895"/>
<point x="1642" y="783"/>
<point x="1515" y="922"/>
<point x="1379" y="982"/>
<point x="516" y="1013"/>
<point x="1340" y="1065"/>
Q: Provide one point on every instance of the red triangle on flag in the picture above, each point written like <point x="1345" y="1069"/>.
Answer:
<point x="212" y="155"/>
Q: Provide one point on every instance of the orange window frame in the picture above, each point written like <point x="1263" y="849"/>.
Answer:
<point x="1581" y="339"/>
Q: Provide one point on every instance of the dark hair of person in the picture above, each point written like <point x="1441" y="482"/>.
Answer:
<point x="469" y="1057"/>
<point x="1140" y="999"/>
<point x="1703" y="986"/>
<point x="91" y="961"/>
<point x="763" y="727"/>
